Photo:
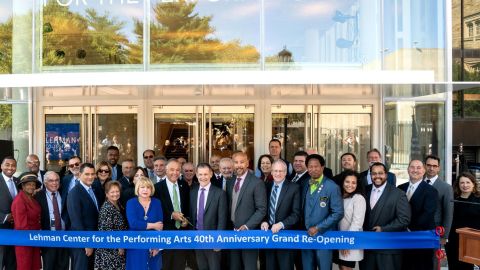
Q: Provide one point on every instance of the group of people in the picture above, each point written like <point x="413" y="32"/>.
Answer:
<point x="225" y="194"/>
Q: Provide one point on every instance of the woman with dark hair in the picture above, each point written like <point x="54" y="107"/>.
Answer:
<point x="354" y="205"/>
<point x="264" y="165"/>
<point x="111" y="218"/>
<point x="466" y="213"/>
<point x="26" y="214"/>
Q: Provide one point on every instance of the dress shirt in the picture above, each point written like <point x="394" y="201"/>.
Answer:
<point x="241" y="181"/>
<point x="170" y="192"/>
<point x="160" y="179"/>
<point x="205" y="192"/>
<point x="379" y="190"/>
<point x="73" y="182"/>
<point x="369" y="177"/>
<point x="298" y="176"/>
<point x="413" y="187"/>
<point x="7" y="179"/>
<point x="432" y="180"/>
<point x="50" y="206"/>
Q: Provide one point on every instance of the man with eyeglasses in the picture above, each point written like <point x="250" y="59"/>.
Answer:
<point x="53" y="217"/>
<point x="70" y="180"/>
<point x="33" y="165"/>
<point x="113" y="155"/>
<point x="444" y="214"/>
<point x="148" y="156"/>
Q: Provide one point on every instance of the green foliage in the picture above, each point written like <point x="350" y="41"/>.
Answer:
<point x="6" y="47"/>
<point x="6" y="116"/>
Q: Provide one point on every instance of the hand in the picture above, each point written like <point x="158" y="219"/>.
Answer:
<point x="345" y="252"/>
<point x="443" y="241"/>
<point x="121" y="251"/>
<point x="377" y="229"/>
<point x="264" y="226"/>
<point x="243" y="228"/>
<point x="178" y="216"/>
<point x="276" y="227"/>
<point x="88" y="251"/>
<point x="312" y="231"/>
<point x="10" y="218"/>
<point x="184" y="223"/>
<point x="154" y="252"/>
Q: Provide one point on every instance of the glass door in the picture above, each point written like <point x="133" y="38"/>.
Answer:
<point x="87" y="132"/>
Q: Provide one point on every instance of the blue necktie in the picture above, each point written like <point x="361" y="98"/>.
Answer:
<point x="92" y="195"/>
<point x="114" y="173"/>
<point x="11" y="188"/>
<point x="201" y="209"/>
<point x="271" y="208"/>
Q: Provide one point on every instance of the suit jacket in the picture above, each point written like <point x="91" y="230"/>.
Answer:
<point x="41" y="197"/>
<point x="444" y="214"/>
<point x="251" y="205"/>
<point x="64" y="184"/>
<point x="82" y="210"/>
<point x="5" y="202"/>
<point x="215" y="214"/>
<point x="391" y="178"/>
<point x="161" y="192"/>
<point x="423" y="205"/>
<point x="287" y="209"/>
<point x="326" y="217"/>
<point x="391" y="212"/>
<point x="119" y="171"/>
<point x="216" y="182"/>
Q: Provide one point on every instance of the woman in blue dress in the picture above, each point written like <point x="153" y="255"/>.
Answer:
<point x="144" y="213"/>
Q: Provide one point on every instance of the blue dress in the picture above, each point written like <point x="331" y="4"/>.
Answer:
<point x="140" y="258"/>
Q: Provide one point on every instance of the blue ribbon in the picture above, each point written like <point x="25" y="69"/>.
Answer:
<point x="254" y="239"/>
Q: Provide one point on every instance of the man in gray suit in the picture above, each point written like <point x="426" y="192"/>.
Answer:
<point x="444" y="213"/>
<point x="8" y="191"/>
<point x="247" y="203"/>
<point x="387" y="211"/>
<point x="208" y="208"/>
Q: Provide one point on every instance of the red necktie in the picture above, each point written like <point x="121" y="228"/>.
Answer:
<point x="237" y="184"/>
<point x="56" y="213"/>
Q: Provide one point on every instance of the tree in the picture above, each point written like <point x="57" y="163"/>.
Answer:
<point x="6" y="47"/>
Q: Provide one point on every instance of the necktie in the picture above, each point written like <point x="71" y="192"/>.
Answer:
<point x="429" y="181"/>
<point x="295" y="179"/>
<point x="237" y="185"/>
<point x="271" y="208"/>
<point x="409" y="192"/>
<point x="151" y="175"/>
<point x="56" y="213"/>
<point x="201" y="209"/>
<point x="92" y="195"/>
<point x="114" y="172"/>
<point x="11" y="188"/>
<point x="374" y="197"/>
<point x="176" y="204"/>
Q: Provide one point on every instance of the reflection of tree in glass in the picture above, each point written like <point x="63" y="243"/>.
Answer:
<point x="178" y="35"/>
<point x="6" y="116"/>
<point x="6" y="47"/>
<point x="73" y="39"/>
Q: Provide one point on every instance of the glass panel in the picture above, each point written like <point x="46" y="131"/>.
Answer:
<point x="415" y="90"/>
<point x="412" y="131"/>
<point x="64" y="138"/>
<point x="466" y="42"/>
<point x="91" y="33"/>
<point x="175" y="132"/>
<point x="343" y="129"/>
<point x="231" y="128"/>
<point x="6" y="28"/>
<point x="18" y="133"/>
<point x="119" y="130"/>
<point x="205" y="34"/>
<point x="414" y="36"/>
<point x="292" y="126"/>
<point x="321" y="34"/>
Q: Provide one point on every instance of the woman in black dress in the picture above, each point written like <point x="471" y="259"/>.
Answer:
<point x="111" y="218"/>
<point x="466" y="213"/>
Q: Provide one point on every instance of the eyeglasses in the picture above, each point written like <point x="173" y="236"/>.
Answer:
<point x="147" y="157"/>
<point x="103" y="171"/>
<point x="74" y="165"/>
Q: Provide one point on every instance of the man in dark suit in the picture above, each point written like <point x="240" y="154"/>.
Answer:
<point x="374" y="156"/>
<point x="159" y="164"/>
<point x="226" y="171"/>
<point x="247" y="204"/>
<point x="423" y="200"/>
<point x="387" y="211"/>
<point x="283" y="212"/>
<point x="69" y="181"/>
<point x="82" y="205"/>
<point x="215" y="165"/>
<point x="208" y="208"/>
<point x="322" y="208"/>
<point x="175" y="205"/>
<point x="8" y="191"/>
<point x="32" y="163"/>
<point x="53" y="218"/>
<point x="127" y="174"/>
<point x="349" y="162"/>
<point x="444" y="214"/>
<point x="113" y="155"/>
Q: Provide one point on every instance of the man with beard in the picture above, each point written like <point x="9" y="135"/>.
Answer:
<point x="113" y="154"/>
<point x="70" y="180"/>
<point x="387" y="211"/>
<point x="33" y="165"/>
